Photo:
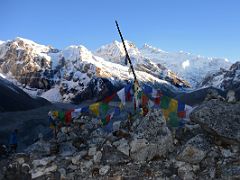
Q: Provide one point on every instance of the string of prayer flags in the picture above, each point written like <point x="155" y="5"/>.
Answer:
<point x="94" y="108"/>
<point x="145" y="98"/>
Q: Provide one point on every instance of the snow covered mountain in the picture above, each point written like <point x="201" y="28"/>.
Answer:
<point x="74" y="73"/>
<point x="188" y="66"/>
<point x="1" y="42"/>
<point x="225" y="79"/>
<point x="115" y="53"/>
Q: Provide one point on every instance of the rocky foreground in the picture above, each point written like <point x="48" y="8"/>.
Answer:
<point x="207" y="147"/>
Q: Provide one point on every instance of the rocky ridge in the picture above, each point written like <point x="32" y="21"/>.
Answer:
<point x="225" y="79"/>
<point x="144" y="148"/>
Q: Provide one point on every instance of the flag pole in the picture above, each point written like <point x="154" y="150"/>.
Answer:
<point x="127" y="56"/>
<point x="135" y="84"/>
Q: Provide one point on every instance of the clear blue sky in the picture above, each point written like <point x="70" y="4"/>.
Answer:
<point x="206" y="27"/>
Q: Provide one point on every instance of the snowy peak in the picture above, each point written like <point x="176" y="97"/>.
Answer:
<point x="115" y="52"/>
<point x="191" y="67"/>
<point x="76" y="52"/>
<point x="35" y="47"/>
<point x="152" y="49"/>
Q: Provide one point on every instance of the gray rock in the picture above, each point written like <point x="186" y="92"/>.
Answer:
<point x="123" y="146"/>
<point x="195" y="150"/>
<point x="231" y="96"/>
<point x="43" y="162"/>
<point x="152" y="137"/>
<point x="62" y="172"/>
<point x="219" y="118"/>
<point x="67" y="149"/>
<point x="185" y="172"/>
<point x="230" y="171"/>
<point x="92" y="151"/>
<point x="97" y="157"/>
<point x="112" y="156"/>
<point x="86" y="165"/>
<point x="104" y="170"/>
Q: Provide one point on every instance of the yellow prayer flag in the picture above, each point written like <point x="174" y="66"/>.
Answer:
<point x="94" y="108"/>
<point x="55" y="114"/>
<point x="165" y="113"/>
<point x="173" y="105"/>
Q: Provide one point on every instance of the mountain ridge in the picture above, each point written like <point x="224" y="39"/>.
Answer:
<point x="70" y="70"/>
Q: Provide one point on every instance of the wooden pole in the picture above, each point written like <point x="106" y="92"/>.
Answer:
<point x="127" y="56"/>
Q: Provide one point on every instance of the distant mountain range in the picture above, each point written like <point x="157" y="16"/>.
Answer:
<point x="76" y="74"/>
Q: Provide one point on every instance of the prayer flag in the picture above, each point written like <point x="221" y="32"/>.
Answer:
<point x="181" y="106"/>
<point x="173" y="105"/>
<point x="68" y="117"/>
<point x="85" y="109"/>
<point x="109" y="98"/>
<point x="164" y="104"/>
<point x="173" y="119"/>
<point x="121" y="95"/>
<point x="61" y="116"/>
<point x="94" y="108"/>
<point x="104" y="108"/>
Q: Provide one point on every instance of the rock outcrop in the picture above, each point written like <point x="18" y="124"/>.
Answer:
<point x="152" y="138"/>
<point x="227" y="80"/>
<point x="219" y="118"/>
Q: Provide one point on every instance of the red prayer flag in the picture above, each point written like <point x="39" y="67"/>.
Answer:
<point x="109" y="98"/>
<point x="144" y="100"/>
<point x="68" y="116"/>
<point x="182" y="114"/>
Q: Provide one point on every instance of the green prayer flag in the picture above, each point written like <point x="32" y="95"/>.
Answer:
<point x="104" y="108"/>
<point x="61" y="116"/>
<point x="173" y="119"/>
<point x="164" y="103"/>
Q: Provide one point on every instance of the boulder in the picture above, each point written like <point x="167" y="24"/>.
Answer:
<point x="195" y="149"/>
<point x="151" y="137"/>
<point x="230" y="170"/>
<point x="42" y="162"/>
<point x="112" y="156"/>
<point x="123" y="146"/>
<point x="97" y="157"/>
<point x="104" y="170"/>
<point x="220" y="118"/>
<point x="185" y="172"/>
